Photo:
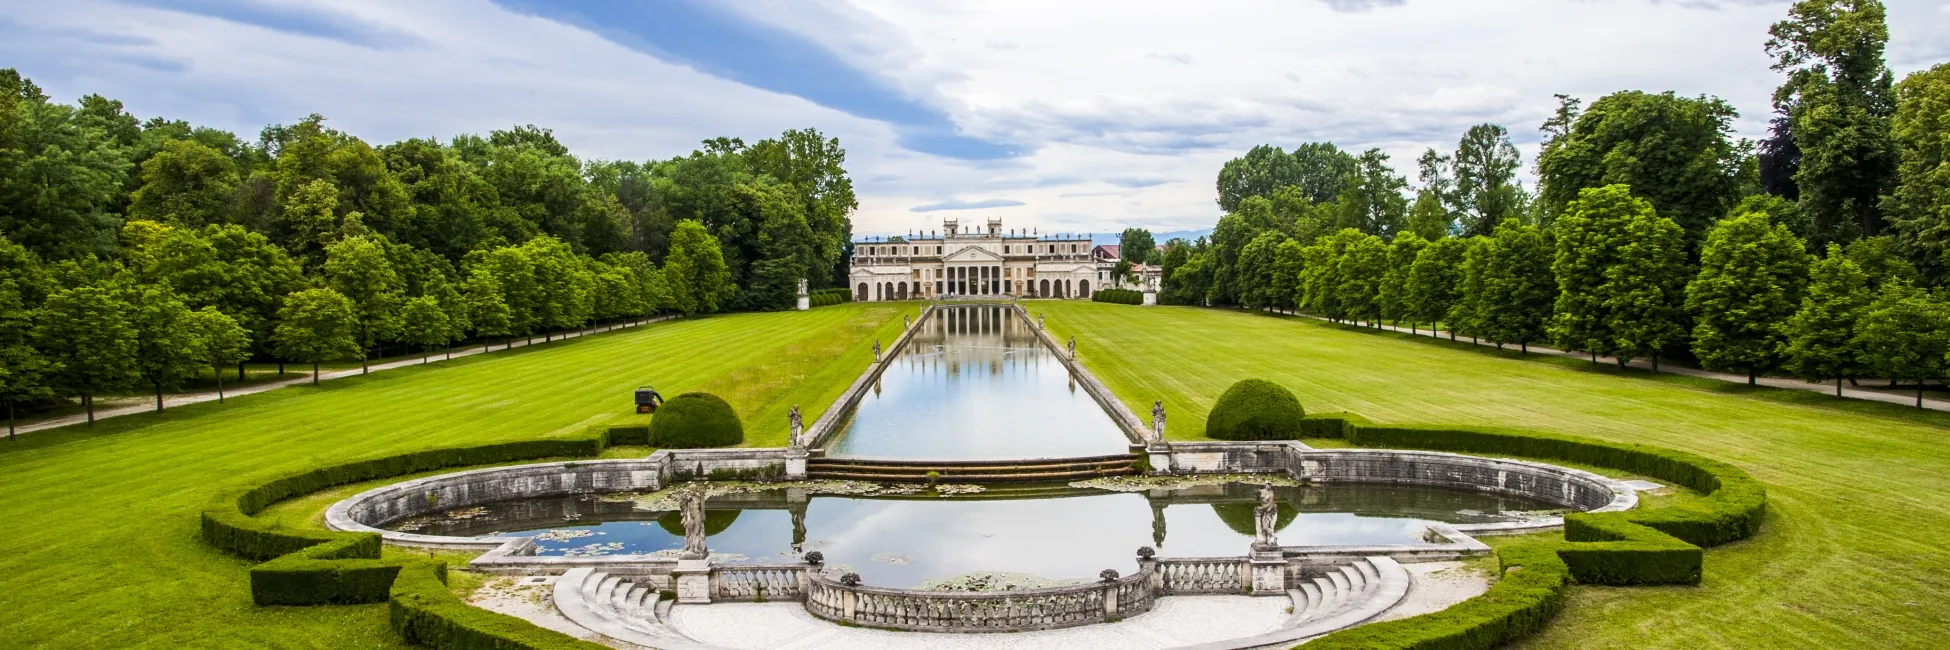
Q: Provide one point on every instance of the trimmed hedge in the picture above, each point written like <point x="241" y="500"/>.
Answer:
<point x="425" y="612"/>
<point x="1654" y="546"/>
<point x="1530" y="593"/>
<point x="824" y="297"/>
<point x="694" y="420"/>
<point x="315" y="567"/>
<point x="1119" y="296"/>
<point x="1255" y="409"/>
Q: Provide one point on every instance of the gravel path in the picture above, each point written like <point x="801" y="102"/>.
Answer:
<point x="1434" y="586"/>
<point x="179" y="399"/>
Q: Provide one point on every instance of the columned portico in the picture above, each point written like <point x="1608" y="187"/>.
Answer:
<point x="973" y="263"/>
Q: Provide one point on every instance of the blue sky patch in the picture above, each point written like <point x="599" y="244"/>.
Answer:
<point x="292" y="19"/>
<point x="722" y="43"/>
<point x="958" y="204"/>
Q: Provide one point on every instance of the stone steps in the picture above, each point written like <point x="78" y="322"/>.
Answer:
<point x="618" y="608"/>
<point x="916" y="471"/>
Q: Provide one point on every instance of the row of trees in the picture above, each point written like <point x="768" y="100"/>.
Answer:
<point x="138" y="253"/>
<point x="1652" y="229"/>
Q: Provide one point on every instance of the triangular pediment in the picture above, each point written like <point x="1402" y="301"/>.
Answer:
<point x="973" y="254"/>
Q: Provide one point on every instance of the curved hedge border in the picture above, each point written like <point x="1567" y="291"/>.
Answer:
<point x="1656" y="546"/>
<point x="310" y="567"/>
<point x="1119" y="296"/>
<point x="1653" y="546"/>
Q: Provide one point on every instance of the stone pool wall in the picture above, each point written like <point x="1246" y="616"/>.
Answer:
<point x="383" y="505"/>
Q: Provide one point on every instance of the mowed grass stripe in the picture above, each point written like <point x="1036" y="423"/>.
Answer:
<point x="101" y="549"/>
<point x="1852" y="551"/>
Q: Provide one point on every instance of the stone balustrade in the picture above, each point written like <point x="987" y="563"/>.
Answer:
<point x="1203" y="575"/>
<point x="758" y="582"/>
<point x="1010" y="611"/>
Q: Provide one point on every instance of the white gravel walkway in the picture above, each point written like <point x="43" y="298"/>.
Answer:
<point x="1176" y="621"/>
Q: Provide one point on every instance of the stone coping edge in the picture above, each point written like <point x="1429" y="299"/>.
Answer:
<point x="823" y="429"/>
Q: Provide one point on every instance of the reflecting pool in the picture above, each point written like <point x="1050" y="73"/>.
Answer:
<point x="975" y="384"/>
<point x="1052" y="532"/>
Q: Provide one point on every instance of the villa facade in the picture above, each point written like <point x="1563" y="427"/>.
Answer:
<point x="973" y="263"/>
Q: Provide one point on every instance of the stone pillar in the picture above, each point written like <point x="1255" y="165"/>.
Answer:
<point x="1268" y="570"/>
<point x="693" y="579"/>
<point x="795" y="464"/>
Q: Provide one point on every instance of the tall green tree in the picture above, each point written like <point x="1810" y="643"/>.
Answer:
<point x="1485" y="168"/>
<point x="1229" y="238"/>
<point x="86" y="335"/>
<point x="695" y="269"/>
<point x="1471" y="311"/>
<point x="1919" y="206"/>
<point x="1645" y="288"/>
<point x="1394" y="283"/>
<point x="1433" y="282"/>
<point x="1619" y="291"/>
<point x="186" y="184"/>
<point x="562" y="285"/>
<point x="1257" y="270"/>
<point x="61" y="174"/>
<point x="1371" y="199"/>
<point x="1839" y="98"/>
<point x="1319" y="169"/>
<point x="425" y="324"/>
<point x="1904" y="335"/>
<point x="1751" y="278"/>
<point x="487" y="310"/>
<point x="24" y="284"/>
<point x="257" y="275"/>
<point x="1362" y="265"/>
<point x="1882" y="258"/>
<point x="220" y="341"/>
<point x="1429" y="218"/>
<point x="812" y="166"/>
<point x="165" y="339"/>
<point x="358" y="269"/>
<point x="1677" y="153"/>
<point x="1821" y="334"/>
<point x="316" y="326"/>
<point x="1135" y="245"/>
<point x="1517" y="285"/>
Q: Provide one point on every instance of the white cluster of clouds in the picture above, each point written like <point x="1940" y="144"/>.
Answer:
<point x="1123" y="111"/>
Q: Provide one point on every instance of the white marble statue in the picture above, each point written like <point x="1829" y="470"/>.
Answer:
<point x="1266" y="517"/>
<point x="691" y="508"/>
<point x="1158" y="419"/>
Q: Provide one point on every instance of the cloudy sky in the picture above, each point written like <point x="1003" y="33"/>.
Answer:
<point x="1065" y="115"/>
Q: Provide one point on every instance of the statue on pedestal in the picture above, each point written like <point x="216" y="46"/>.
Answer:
<point x="1266" y="517"/>
<point x="798" y="425"/>
<point x="1073" y="347"/>
<point x="1039" y="321"/>
<point x="1158" y="420"/>
<point x="876" y="350"/>
<point x="691" y="508"/>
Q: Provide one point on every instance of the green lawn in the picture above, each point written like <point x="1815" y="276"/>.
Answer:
<point x="101" y="547"/>
<point x="1852" y="554"/>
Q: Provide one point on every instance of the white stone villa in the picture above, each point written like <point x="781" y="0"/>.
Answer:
<point x="974" y="263"/>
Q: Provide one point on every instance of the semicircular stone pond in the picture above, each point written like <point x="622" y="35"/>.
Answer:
<point x="1027" y="535"/>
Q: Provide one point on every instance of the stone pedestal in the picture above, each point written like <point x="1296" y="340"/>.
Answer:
<point x="693" y="580"/>
<point x="1268" y="568"/>
<point x="1150" y="297"/>
<point x="1158" y="454"/>
<point x="805" y="303"/>
<point x="795" y="464"/>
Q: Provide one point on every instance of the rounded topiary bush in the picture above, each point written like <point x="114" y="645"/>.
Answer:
<point x="1255" y="409"/>
<point x="695" y="420"/>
